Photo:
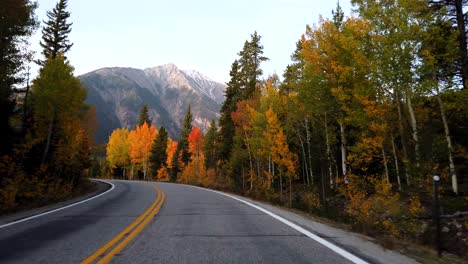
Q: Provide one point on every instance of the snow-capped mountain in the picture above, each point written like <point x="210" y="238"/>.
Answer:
<point x="119" y="93"/>
<point x="170" y="76"/>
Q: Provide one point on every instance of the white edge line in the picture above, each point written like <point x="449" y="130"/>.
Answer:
<point x="320" y="240"/>
<point x="61" y="208"/>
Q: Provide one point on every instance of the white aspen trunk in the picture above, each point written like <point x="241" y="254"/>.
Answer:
<point x="395" y="158"/>
<point x="144" y="171"/>
<point x="343" y="152"/>
<point x="414" y="127"/>
<point x="403" y="144"/>
<point x="327" y="142"/>
<point x="449" y="146"/>
<point x="123" y="173"/>
<point x="131" y="172"/>
<point x="304" y="158"/>
<point x="311" y="173"/>
<point x="385" y="164"/>
<point x="258" y="172"/>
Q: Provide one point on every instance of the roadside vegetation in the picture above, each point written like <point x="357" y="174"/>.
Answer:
<point x="369" y="110"/>
<point x="46" y="126"/>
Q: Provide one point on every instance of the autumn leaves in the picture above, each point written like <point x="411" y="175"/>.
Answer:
<point x="149" y="154"/>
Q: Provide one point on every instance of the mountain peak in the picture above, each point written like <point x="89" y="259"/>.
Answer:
<point x="119" y="94"/>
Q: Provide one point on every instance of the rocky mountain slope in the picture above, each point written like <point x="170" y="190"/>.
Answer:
<point x="119" y="93"/>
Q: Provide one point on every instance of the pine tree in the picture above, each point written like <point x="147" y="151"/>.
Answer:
<point x="338" y="15"/>
<point x="144" y="116"/>
<point x="227" y="129"/>
<point x="183" y="143"/>
<point x="158" y="156"/>
<point x="182" y="154"/>
<point x="456" y="13"/>
<point x="251" y="57"/>
<point x="210" y="148"/>
<point x="55" y="32"/>
<point x="17" y="22"/>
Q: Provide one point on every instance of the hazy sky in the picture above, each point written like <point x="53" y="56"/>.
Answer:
<point x="204" y="35"/>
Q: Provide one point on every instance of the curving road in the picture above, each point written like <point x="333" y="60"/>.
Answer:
<point x="192" y="226"/>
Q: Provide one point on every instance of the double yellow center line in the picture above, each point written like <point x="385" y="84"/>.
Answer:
<point x="115" y="245"/>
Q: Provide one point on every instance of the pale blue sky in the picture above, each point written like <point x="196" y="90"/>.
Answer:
<point x="204" y="35"/>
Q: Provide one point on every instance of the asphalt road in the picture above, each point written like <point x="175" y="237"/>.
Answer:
<point x="192" y="226"/>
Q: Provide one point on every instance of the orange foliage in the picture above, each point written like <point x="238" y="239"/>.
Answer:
<point x="196" y="141"/>
<point x="171" y="150"/>
<point x="140" y="142"/>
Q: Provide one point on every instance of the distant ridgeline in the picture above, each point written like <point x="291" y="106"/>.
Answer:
<point x="119" y="93"/>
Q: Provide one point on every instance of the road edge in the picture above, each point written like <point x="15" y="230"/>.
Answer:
<point x="18" y="217"/>
<point x="359" y="252"/>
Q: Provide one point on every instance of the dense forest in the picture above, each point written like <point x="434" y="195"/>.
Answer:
<point x="371" y="107"/>
<point x="47" y="128"/>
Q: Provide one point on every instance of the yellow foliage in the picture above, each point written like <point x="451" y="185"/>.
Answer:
<point x="311" y="200"/>
<point x="162" y="174"/>
<point x="141" y="140"/>
<point x="118" y="148"/>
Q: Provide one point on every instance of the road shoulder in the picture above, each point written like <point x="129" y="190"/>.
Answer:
<point x="359" y="245"/>
<point x="101" y="187"/>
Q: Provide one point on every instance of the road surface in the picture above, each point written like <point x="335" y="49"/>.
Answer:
<point x="172" y="223"/>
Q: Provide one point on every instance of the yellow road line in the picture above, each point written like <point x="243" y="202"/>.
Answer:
<point x="134" y="233"/>
<point x="139" y="223"/>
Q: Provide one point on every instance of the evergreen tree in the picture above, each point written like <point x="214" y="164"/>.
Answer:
<point x="338" y="15"/>
<point x="232" y="96"/>
<point x="144" y="116"/>
<point x="455" y="12"/>
<point x="59" y="114"/>
<point x="182" y="154"/>
<point x="17" y="22"/>
<point x="251" y="57"/>
<point x="55" y="32"/>
<point x="293" y="73"/>
<point x="158" y="156"/>
<point x="183" y="143"/>
<point x="210" y="148"/>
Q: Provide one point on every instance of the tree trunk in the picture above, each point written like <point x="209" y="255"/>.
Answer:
<point x="385" y="164"/>
<point x="49" y="137"/>
<point x="258" y="173"/>
<point x="453" y="173"/>
<point x="308" y="151"/>
<point x="403" y="140"/>
<point x="462" y="41"/>
<point x="395" y="158"/>
<point x="131" y="172"/>
<point x="25" y="104"/>
<point x="327" y="142"/>
<point x="343" y="152"/>
<point x="304" y="159"/>
<point x="414" y="127"/>
<point x="123" y="173"/>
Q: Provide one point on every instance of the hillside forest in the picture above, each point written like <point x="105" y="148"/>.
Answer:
<point x="370" y="108"/>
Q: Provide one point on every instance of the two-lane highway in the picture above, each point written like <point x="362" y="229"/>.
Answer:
<point x="192" y="226"/>
<point x="73" y="234"/>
